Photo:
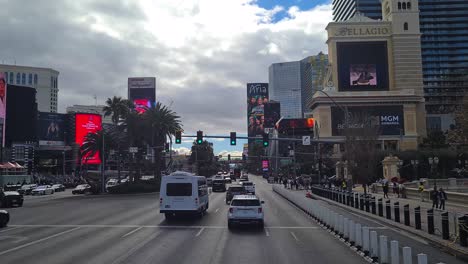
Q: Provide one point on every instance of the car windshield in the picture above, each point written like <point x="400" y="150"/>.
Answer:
<point x="245" y="202"/>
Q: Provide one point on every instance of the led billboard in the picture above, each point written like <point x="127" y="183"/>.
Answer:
<point x="362" y="66"/>
<point x="257" y="97"/>
<point x="84" y="124"/>
<point x="388" y="119"/>
<point x="142" y="92"/>
<point x="51" y="129"/>
<point x="3" y="94"/>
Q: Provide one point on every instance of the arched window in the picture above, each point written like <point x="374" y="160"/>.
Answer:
<point x="404" y="6"/>
<point x="12" y="77"/>
<point x="405" y="26"/>
<point x="408" y="5"/>
<point x="35" y="78"/>
<point x="23" y="78"/>
<point x="399" y="6"/>
<point x="30" y="78"/>
<point x="18" y="78"/>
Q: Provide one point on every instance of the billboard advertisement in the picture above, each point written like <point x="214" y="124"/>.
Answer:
<point x="3" y="95"/>
<point x="388" y="119"/>
<point x="272" y="114"/>
<point x="257" y="97"/>
<point x="297" y="126"/>
<point x="51" y="129"/>
<point x="362" y="66"/>
<point x="84" y="124"/>
<point x="142" y="92"/>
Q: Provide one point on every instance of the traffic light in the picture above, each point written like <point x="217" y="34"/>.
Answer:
<point x="199" y="137"/>
<point x="233" y="138"/>
<point x="229" y="156"/>
<point x="178" y="137"/>
<point x="266" y="141"/>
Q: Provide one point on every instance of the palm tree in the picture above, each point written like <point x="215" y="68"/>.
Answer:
<point x="161" y="122"/>
<point x="117" y="108"/>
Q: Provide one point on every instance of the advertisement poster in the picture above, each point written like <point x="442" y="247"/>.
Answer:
<point x="51" y="129"/>
<point x="84" y="124"/>
<point x="272" y="114"/>
<point x="363" y="74"/>
<point x="142" y="92"/>
<point x="3" y="95"/>
<point x="388" y="119"/>
<point x="257" y="97"/>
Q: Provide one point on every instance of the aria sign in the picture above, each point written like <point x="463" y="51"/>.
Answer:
<point x="371" y="31"/>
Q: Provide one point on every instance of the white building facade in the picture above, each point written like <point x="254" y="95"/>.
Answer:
<point x="44" y="80"/>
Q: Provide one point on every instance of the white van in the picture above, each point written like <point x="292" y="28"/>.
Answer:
<point x="183" y="193"/>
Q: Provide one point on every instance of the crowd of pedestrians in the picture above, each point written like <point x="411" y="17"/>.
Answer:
<point x="298" y="183"/>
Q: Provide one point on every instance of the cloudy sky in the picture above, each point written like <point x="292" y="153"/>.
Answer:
<point x="202" y="52"/>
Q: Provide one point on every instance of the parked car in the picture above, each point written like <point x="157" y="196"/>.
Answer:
<point x="82" y="189"/>
<point x="10" y="198"/>
<point x="4" y="218"/>
<point x="234" y="190"/>
<point x="42" y="190"/>
<point x="27" y="188"/>
<point x="58" y="187"/>
<point x="245" y="209"/>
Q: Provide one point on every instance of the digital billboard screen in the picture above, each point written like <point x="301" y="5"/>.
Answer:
<point x="84" y="124"/>
<point x="257" y="97"/>
<point x="3" y="100"/>
<point x="142" y="92"/>
<point x="362" y="66"/>
<point x="272" y="114"/>
<point x="388" y="119"/>
<point x="51" y="129"/>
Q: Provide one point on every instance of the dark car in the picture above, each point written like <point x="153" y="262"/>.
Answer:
<point x="58" y="187"/>
<point x="219" y="185"/>
<point x="81" y="189"/>
<point x="26" y="189"/>
<point x="234" y="190"/>
<point x="11" y="198"/>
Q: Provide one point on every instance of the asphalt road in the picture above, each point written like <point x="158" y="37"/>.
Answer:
<point x="129" y="229"/>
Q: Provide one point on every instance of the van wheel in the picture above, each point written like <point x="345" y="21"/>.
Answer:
<point x="207" y="206"/>
<point x="261" y="224"/>
<point x="230" y="225"/>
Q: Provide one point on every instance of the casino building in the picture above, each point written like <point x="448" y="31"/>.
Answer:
<point x="374" y="77"/>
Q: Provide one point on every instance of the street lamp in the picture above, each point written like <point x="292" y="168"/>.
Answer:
<point x="434" y="161"/>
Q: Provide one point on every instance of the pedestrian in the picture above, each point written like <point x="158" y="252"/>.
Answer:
<point x="395" y="188"/>
<point x="442" y="198"/>
<point x="343" y="185"/>
<point x="285" y="183"/>
<point x="435" y="198"/>
<point x="421" y="191"/>
<point x="385" y="190"/>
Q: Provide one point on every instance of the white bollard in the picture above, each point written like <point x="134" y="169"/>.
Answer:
<point x="335" y="222"/>
<point x="345" y="228"/>
<point x="394" y="252"/>
<point x="407" y="258"/>
<point x="422" y="258"/>
<point x="374" y="244"/>
<point x="383" y="252"/>
<point x="365" y="240"/>
<point x="358" y="235"/>
<point x="352" y="232"/>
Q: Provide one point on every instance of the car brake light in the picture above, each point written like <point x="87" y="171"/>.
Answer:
<point x="231" y="210"/>
<point x="259" y="210"/>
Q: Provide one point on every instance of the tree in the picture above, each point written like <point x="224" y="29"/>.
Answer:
<point x="117" y="108"/>
<point x="203" y="156"/>
<point x="435" y="139"/>
<point x="256" y="152"/>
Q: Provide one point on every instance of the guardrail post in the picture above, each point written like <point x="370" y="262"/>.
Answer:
<point x="367" y="203"/>
<point x="373" y="205"/>
<point x="388" y="210"/>
<point x="407" y="257"/>
<point x="358" y="236"/>
<point x="348" y="198"/>
<point x="430" y="221"/>
<point x="445" y="226"/>
<point x="352" y="232"/>
<point x="463" y="230"/>
<point x="374" y="246"/>
<point x="396" y="209"/>
<point x="361" y="202"/>
<point x="345" y="229"/>
<point x="422" y="259"/>
<point x="356" y="200"/>
<point x="407" y="215"/>
<point x="417" y="217"/>
<point x="341" y="227"/>
<point x="365" y="240"/>
<point x="383" y="249"/>
<point x="351" y="198"/>
<point x="380" y="207"/>
<point x="344" y="197"/>
<point x="394" y="252"/>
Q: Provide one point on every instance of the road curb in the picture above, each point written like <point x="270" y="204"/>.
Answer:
<point x="459" y="254"/>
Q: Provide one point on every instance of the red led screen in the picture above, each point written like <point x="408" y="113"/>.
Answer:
<point x="84" y="124"/>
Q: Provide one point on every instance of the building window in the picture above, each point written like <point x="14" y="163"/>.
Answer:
<point x="35" y="78"/>
<point x="23" y="78"/>
<point x="18" y="78"/>
<point x="11" y="77"/>
<point x="30" y="78"/>
<point x="408" y="5"/>
<point x="399" y="6"/>
<point x="404" y="6"/>
<point x="51" y="81"/>
<point x="405" y="26"/>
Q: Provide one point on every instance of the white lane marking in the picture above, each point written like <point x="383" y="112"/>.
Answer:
<point x="294" y="235"/>
<point x="217" y="209"/>
<point x="131" y="232"/>
<point x="199" y="232"/>
<point x="160" y="226"/>
<point x="132" y="250"/>
<point x="37" y="241"/>
<point x="9" y="229"/>
<point x="267" y="233"/>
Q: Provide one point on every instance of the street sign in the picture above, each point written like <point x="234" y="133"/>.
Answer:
<point x="306" y="140"/>
<point x="133" y="149"/>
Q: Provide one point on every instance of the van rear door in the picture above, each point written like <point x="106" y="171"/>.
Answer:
<point x="179" y="196"/>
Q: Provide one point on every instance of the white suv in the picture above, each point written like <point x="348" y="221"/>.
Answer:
<point x="249" y="186"/>
<point x="245" y="209"/>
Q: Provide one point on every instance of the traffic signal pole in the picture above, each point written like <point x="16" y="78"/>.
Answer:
<point x="276" y="139"/>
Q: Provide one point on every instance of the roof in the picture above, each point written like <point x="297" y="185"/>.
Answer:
<point x="246" y="197"/>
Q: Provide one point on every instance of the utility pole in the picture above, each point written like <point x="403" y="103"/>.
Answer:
<point x="103" y="165"/>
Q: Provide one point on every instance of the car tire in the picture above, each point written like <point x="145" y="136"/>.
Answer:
<point x="230" y="225"/>
<point x="261" y="225"/>
<point x="4" y="218"/>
